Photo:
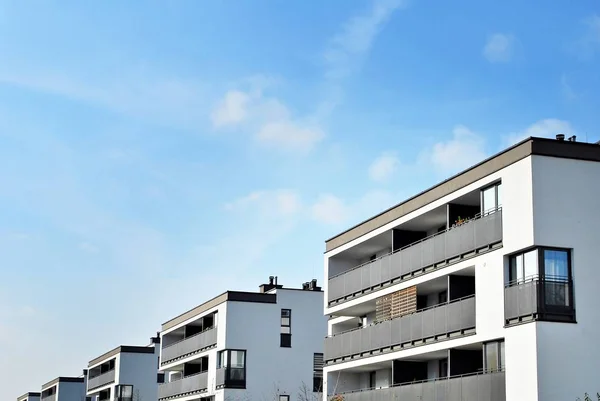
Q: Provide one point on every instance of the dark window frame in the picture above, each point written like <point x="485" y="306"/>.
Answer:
<point x="284" y="397"/>
<point x="231" y="383"/>
<point x="546" y="311"/>
<point x="285" y="339"/>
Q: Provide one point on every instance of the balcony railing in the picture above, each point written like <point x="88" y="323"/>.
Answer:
<point x="103" y="379"/>
<point x="188" y="385"/>
<point x="49" y="398"/>
<point x="190" y="345"/>
<point x="434" y="251"/>
<point x="231" y="377"/>
<point x="436" y="322"/>
<point x="535" y="298"/>
<point x="477" y="386"/>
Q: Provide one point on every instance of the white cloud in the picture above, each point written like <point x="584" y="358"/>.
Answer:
<point x="357" y="37"/>
<point x="268" y="119"/>
<point x="567" y="89"/>
<point x="547" y="128"/>
<point x="465" y="149"/>
<point x="383" y="167"/>
<point x="277" y="203"/>
<point x="233" y="109"/>
<point x="329" y="209"/>
<point x="499" y="48"/>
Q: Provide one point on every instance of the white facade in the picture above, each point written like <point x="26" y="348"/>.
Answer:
<point x="266" y="362"/>
<point x="540" y="349"/>
<point x="127" y="373"/>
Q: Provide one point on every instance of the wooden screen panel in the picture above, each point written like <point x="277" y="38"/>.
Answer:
<point x="396" y="304"/>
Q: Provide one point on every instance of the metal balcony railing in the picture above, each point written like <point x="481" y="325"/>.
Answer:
<point x="49" y="398"/>
<point x="432" y="322"/>
<point x="476" y="386"/>
<point x="190" y="345"/>
<point x="443" y="247"/>
<point x="103" y="379"/>
<point x="537" y="297"/>
<point x="188" y="385"/>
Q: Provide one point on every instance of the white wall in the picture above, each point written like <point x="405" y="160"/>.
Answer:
<point x="68" y="391"/>
<point x="140" y="370"/>
<point x="256" y="328"/>
<point x="566" y="197"/>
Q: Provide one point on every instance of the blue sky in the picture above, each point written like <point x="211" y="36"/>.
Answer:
<point x="154" y="155"/>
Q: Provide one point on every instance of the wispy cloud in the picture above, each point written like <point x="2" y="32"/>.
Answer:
<point x="136" y="93"/>
<point x="281" y="202"/>
<point x="589" y="44"/>
<point x="347" y="49"/>
<point x="329" y="209"/>
<point x="567" y="89"/>
<point x="499" y="48"/>
<point x="547" y="128"/>
<point x="383" y="167"/>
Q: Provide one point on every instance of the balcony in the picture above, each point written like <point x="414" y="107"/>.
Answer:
<point x="101" y="380"/>
<point x="196" y="343"/>
<point x="474" y="387"/>
<point x="188" y="385"/>
<point x="549" y="299"/>
<point x="436" y="251"/>
<point x="431" y="324"/>
<point x="49" y="398"/>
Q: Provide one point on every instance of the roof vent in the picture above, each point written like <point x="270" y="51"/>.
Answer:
<point x="572" y="138"/>
<point x="560" y="137"/>
<point x="270" y="285"/>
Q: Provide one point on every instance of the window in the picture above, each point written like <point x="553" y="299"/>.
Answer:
<point x="233" y="362"/>
<point x="124" y="392"/>
<point x="493" y="356"/>
<point x="284" y="398"/>
<point x="318" y="373"/>
<point x="372" y="379"/>
<point x="491" y="199"/>
<point x="286" y="328"/>
<point x="443" y="368"/>
<point x="443" y="297"/>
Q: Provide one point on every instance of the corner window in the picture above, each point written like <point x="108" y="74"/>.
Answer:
<point x="124" y="392"/>
<point x="232" y="363"/>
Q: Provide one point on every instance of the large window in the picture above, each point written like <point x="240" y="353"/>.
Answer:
<point x="493" y="356"/>
<point x="491" y="198"/>
<point x="233" y="364"/>
<point x="540" y="284"/>
<point x="286" y="328"/>
<point x="124" y="392"/>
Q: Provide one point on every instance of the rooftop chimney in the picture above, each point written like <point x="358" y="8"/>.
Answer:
<point x="560" y="137"/>
<point x="270" y="285"/>
<point x="311" y="285"/>
<point x="572" y="138"/>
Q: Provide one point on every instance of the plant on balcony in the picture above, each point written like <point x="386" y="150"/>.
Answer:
<point x="460" y="221"/>
<point x="337" y="397"/>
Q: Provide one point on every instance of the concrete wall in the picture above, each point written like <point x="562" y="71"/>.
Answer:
<point x="256" y="328"/>
<point x="68" y="391"/>
<point x="566" y="197"/>
<point x="140" y="370"/>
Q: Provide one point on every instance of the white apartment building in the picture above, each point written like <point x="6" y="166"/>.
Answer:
<point x="30" y="396"/>
<point x="243" y="346"/>
<point x="484" y="287"/>
<point x="64" y="389"/>
<point x="126" y="373"/>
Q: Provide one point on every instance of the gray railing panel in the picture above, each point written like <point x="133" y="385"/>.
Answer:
<point x="484" y="387"/>
<point x="441" y="389"/>
<point x="103" y="379"/>
<point x="220" y="377"/>
<point x="50" y="398"/>
<point x="454" y="388"/>
<point x="454" y="316"/>
<point x="428" y="317"/>
<point x="406" y="328"/>
<point x="468" y="316"/>
<point x="455" y="242"/>
<point x="440" y="320"/>
<point x="192" y="344"/>
<point x="521" y="300"/>
<point x="470" y="388"/>
<point x="428" y="252"/>
<point x="416" y="326"/>
<point x="498" y="387"/>
<point x="195" y="383"/>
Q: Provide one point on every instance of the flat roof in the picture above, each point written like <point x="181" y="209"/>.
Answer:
<point x="122" y="349"/>
<point x="236" y="296"/>
<point x="527" y="147"/>
<point x="29" y="394"/>
<point x="62" y="380"/>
